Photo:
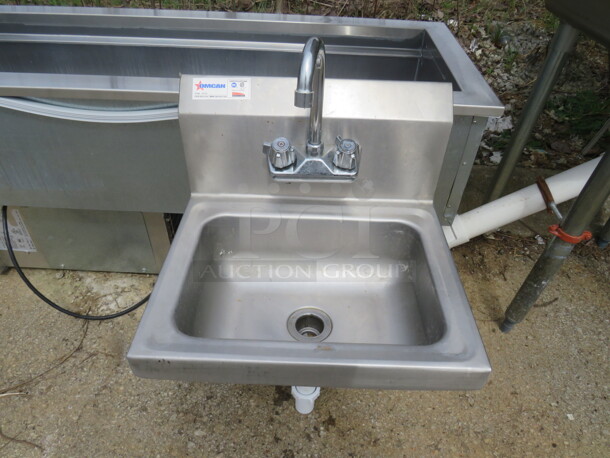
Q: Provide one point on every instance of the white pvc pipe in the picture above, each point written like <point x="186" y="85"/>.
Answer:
<point x="527" y="201"/>
<point x="305" y="398"/>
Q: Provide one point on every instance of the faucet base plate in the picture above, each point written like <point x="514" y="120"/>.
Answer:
<point x="318" y="167"/>
<point x="312" y="168"/>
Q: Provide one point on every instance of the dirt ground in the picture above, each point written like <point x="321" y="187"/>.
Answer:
<point x="67" y="389"/>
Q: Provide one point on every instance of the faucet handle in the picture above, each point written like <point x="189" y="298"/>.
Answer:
<point x="280" y="152"/>
<point x="346" y="154"/>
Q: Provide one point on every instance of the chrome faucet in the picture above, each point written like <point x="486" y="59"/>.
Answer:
<point x="284" y="160"/>
<point x="310" y="92"/>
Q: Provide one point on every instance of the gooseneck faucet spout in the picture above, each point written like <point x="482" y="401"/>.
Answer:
<point x="288" y="162"/>
<point x="310" y="92"/>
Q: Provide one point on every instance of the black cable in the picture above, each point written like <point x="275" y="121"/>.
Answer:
<point x="59" y="308"/>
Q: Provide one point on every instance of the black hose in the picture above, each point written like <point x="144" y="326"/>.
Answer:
<point x="59" y="308"/>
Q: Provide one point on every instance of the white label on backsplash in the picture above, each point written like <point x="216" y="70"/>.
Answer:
<point x="221" y="87"/>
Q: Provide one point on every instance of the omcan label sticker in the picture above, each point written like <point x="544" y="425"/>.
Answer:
<point x="221" y="88"/>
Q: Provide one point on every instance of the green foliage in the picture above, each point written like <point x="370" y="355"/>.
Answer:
<point x="497" y="34"/>
<point x="585" y="112"/>
<point x="550" y="22"/>
<point x="500" y="142"/>
<point x="534" y="143"/>
<point x="510" y="57"/>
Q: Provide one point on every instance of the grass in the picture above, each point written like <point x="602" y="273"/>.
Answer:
<point x="466" y="12"/>
<point x="484" y="11"/>
<point x="510" y="57"/>
<point x="585" y="111"/>
<point x="550" y="22"/>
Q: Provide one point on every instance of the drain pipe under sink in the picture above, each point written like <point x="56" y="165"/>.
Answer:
<point x="512" y="207"/>
<point x="305" y="398"/>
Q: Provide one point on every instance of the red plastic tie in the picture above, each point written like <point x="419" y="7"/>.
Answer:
<point x="559" y="232"/>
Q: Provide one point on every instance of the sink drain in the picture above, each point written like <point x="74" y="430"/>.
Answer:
<point x="309" y="325"/>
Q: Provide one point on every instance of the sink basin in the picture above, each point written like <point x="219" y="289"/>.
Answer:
<point x="368" y="287"/>
<point x="318" y="295"/>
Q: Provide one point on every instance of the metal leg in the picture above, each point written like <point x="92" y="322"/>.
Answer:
<point x="603" y="239"/>
<point x="3" y="267"/>
<point x="587" y="204"/>
<point x="561" y="46"/>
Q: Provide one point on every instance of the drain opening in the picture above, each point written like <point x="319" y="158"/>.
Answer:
<point x="309" y="325"/>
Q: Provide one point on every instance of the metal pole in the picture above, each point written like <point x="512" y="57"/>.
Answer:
<point x="561" y="46"/>
<point x="587" y="204"/>
<point x="604" y="236"/>
<point x="600" y="133"/>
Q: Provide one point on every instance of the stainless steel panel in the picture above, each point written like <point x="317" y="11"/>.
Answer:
<point x="402" y="129"/>
<point x="93" y="240"/>
<point x="466" y="161"/>
<point x="104" y="87"/>
<point x="48" y="162"/>
<point x="589" y="16"/>
<point x="158" y="236"/>
<point x="461" y="151"/>
<point x="451" y="161"/>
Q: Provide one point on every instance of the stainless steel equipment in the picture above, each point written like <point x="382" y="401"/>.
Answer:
<point x="589" y="16"/>
<point x="59" y="238"/>
<point x="340" y="277"/>
<point x="308" y="282"/>
<point x="99" y="87"/>
<point x="112" y="142"/>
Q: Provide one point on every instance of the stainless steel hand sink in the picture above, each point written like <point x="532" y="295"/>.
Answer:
<point x="375" y="288"/>
<point x="290" y="275"/>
